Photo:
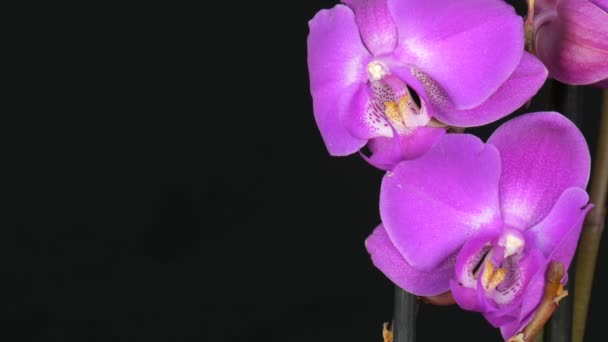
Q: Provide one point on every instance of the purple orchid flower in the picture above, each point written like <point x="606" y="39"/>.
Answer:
<point x="571" y="38"/>
<point x="464" y="59"/>
<point x="485" y="220"/>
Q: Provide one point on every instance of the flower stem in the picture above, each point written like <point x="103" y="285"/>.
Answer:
<point x="540" y="337"/>
<point x="404" y="324"/>
<point x="529" y="27"/>
<point x="592" y="230"/>
<point x="530" y="16"/>
<point x="443" y="299"/>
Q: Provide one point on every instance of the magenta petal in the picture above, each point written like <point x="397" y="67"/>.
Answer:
<point x="542" y="155"/>
<point x="431" y="205"/>
<point x="569" y="210"/>
<point x="572" y="40"/>
<point x="563" y="251"/>
<point x="419" y="141"/>
<point x="602" y="84"/>
<point x="386" y="258"/>
<point x="455" y="43"/>
<point x="388" y="152"/>
<point x="603" y="4"/>
<point x="336" y="62"/>
<point x="525" y="81"/>
<point x="497" y="319"/>
<point x="511" y="328"/>
<point x="465" y="297"/>
<point x="376" y="25"/>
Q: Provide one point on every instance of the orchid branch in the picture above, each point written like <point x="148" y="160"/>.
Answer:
<point x="387" y="333"/>
<point x="404" y="325"/>
<point x="529" y="27"/>
<point x="592" y="230"/>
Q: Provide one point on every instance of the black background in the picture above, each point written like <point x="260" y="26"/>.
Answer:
<point x="175" y="187"/>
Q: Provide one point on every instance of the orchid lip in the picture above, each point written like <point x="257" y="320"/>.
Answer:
<point x="391" y="101"/>
<point x="399" y="112"/>
<point x="495" y="266"/>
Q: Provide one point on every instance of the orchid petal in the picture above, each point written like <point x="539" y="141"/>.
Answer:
<point x="336" y="61"/>
<point x="542" y="155"/>
<point x="525" y="81"/>
<point x="498" y="319"/>
<point x="498" y="315"/>
<point x="388" y="259"/>
<point x="465" y="297"/>
<point x="431" y="205"/>
<point x="388" y="152"/>
<point x="572" y="40"/>
<point x="569" y="210"/>
<point x="603" y="4"/>
<point x="513" y="327"/>
<point x="376" y="25"/>
<point x="602" y="84"/>
<point x="564" y="251"/>
<point x="455" y="43"/>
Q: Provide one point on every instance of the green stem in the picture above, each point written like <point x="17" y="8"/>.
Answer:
<point x="589" y="243"/>
<point x="404" y="326"/>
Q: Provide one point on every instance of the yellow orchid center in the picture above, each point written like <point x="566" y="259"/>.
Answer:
<point x="491" y="276"/>
<point x="397" y="112"/>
